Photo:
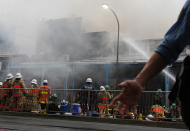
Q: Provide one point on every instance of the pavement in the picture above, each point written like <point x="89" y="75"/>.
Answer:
<point x="53" y="123"/>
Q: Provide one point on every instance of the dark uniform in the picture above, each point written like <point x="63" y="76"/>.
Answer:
<point x="87" y="98"/>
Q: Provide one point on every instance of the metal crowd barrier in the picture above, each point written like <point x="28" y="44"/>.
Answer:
<point x="79" y="102"/>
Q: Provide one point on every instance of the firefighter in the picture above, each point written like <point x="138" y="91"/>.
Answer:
<point x="1" y="96"/>
<point x="158" y="112"/>
<point x="34" y="95"/>
<point x="159" y="97"/>
<point x="173" y="111"/>
<point x="18" y="93"/>
<point x="44" y="94"/>
<point x="6" y="92"/>
<point x="87" y="97"/>
<point x="103" y="97"/>
<point x="53" y="104"/>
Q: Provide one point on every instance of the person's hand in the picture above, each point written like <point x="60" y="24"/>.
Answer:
<point x="129" y="96"/>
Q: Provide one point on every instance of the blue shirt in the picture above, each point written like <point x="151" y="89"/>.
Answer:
<point x="177" y="37"/>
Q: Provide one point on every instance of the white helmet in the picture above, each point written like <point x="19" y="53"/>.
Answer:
<point x="1" y="83"/>
<point x="9" y="76"/>
<point x="149" y="117"/>
<point x="89" y="80"/>
<point x="102" y="88"/>
<point x="18" y="75"/>
<point x="45" y="81"/>
<point x="34" y="81"/>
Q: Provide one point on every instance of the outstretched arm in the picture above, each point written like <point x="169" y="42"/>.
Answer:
<point x="132" y="89"/>
<point x="169" y="49"/>
<point x="155" y="64"/>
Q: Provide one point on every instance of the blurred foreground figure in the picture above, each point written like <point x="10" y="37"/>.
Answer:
<point x="166" y="53"/>
<point x="18" y="93"/>
<point x="87" y="97"/>
<point x="44" y="94"/>
<point x="103" y="101"/>
<point x="6" y="92"/>
<point x="34" y="96"/>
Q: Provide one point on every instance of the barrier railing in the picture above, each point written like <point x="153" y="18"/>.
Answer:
<point x="152" y="105"/>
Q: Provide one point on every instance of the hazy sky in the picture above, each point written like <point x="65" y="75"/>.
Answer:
<point x="139" y="19"/>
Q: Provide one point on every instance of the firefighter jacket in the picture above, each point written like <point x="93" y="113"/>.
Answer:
<point x="34" y="90"/>
<point x="7" y="85"/>
<point x="44" y="94"/>
<point x="1" y="93"/>
<point x="104" y="97"/>
<point x="87" y="93"/>
<point x="19" y="88"/>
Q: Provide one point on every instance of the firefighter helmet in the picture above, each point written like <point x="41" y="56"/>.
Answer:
<point x="89" y="80"/>
<point x="54" y="95"/>
<point x="34" y="81"/>
<point x="63" y="101"/>
<point x="149" y="117"/>
<point x="18" y="75"/>
<point x="45" y="82"/>
<point x="9" y="76"/>
<point x="159" y="90"/>
<point x="102" y="88"/>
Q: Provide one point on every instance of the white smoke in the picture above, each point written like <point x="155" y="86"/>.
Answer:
<point x="139" y="19"/>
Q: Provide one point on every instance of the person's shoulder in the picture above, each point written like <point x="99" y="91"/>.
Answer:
<point x="37" y="86"/>
<point x="188" y="1"/>
<point x="107" y="92"/>
<point x="187" y="5"/>
<point x="41" y="87"/>
<point x="22" y="81"/>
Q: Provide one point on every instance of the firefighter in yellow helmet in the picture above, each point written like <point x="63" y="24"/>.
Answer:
<point x="103" y="98"/>
<point x="18" y="93"/>
<point x="44" y="94"/>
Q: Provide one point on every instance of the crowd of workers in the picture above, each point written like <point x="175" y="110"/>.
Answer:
<point x="15" y="97"/>
<point x="159" y="111"/>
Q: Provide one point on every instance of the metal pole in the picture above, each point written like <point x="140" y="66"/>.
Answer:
<point x="117" y="55"/>
<point x="118" y="30"/>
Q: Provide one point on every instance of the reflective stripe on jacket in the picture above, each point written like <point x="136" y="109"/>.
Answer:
<point x="44" y="94"/>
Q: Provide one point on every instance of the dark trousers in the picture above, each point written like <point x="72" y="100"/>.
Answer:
<point x="86" y="106"/>
<point x="43" y="106"/>
<point x="185" y="108"/>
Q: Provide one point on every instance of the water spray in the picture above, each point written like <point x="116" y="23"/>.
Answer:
<point x="147" y="56"/>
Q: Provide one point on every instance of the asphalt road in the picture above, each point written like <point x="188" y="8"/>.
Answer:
<point x="39" y="124"/>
